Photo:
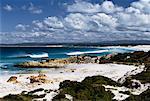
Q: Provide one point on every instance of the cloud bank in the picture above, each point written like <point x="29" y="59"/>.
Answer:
<point x="87" y="22"/>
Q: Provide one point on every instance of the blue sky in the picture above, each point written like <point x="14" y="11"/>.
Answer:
<point x="18" y="15"/>
<point x="48" y="7"/>
<point x="56" y="19"/>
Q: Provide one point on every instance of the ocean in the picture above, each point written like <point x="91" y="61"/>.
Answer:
<point x="13" y="55"/>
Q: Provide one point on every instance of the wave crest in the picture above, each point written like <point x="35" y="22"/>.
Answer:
<point x="87" y="52"/>
<point x="43" y="55"/>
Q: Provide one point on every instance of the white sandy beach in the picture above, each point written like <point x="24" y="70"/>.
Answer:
<point x="145" y="48"/>
<point x="113" y="71"/>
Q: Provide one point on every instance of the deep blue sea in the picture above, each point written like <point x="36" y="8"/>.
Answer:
<point x="13" y="55"/>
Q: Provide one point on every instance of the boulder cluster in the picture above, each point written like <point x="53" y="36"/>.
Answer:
<point x="41" y="78"/>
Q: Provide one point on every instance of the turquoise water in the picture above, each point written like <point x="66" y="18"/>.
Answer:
<point x="13" y="55"/>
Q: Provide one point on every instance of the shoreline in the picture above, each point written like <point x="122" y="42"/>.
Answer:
<point x="76" y="72"/>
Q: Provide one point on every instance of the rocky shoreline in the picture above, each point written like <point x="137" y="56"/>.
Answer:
<point x="57" y="63"/>
<point x="135" y="86"/>
<point x="135" y="58"/>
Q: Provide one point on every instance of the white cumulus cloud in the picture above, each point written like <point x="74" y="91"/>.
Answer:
<point x="53" y="22"/>
<point x="84" y="7"/>
<point x="21" y="27"/>
<point x="8" y="7"/>
<point x="96" y="22"/>
<point x="32" y="9"/>
<point x="76" y="21"/>
<point x="48" y="24"/>
<point x="105" y="21"/>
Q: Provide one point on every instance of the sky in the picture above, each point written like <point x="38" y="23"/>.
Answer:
<point x="52" y="21"/>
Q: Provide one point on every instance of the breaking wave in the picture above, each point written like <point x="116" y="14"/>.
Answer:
<point x="42" y="55"/>
<point x="87" y="52"/>
<point x="30" y="55"/>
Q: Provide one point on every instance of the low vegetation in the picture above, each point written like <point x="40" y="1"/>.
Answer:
<point x="143" y="77"/>
<point x="139" y="57"/>
<point x="144" y="96"/>
<point x="24" y="96"/>
<point x="91" y="88"/>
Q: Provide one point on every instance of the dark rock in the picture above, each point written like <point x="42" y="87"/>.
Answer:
<point x="36" y="90"/>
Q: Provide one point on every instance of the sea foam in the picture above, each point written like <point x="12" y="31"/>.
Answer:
<point x="87" y="52"/>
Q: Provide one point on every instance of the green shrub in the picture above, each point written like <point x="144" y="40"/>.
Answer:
<point x="90" y="89"/>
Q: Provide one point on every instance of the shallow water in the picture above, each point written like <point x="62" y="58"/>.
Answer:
<point x="12" y="55"/>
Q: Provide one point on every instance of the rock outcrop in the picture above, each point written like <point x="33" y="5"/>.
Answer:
<point x="57" y="63"/>
<point x="12" y="79"/>
<point x="41" y="78"/>
<point x="36" y="64"/>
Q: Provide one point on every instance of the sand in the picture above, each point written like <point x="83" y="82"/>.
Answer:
<point x="75" y="72"/>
